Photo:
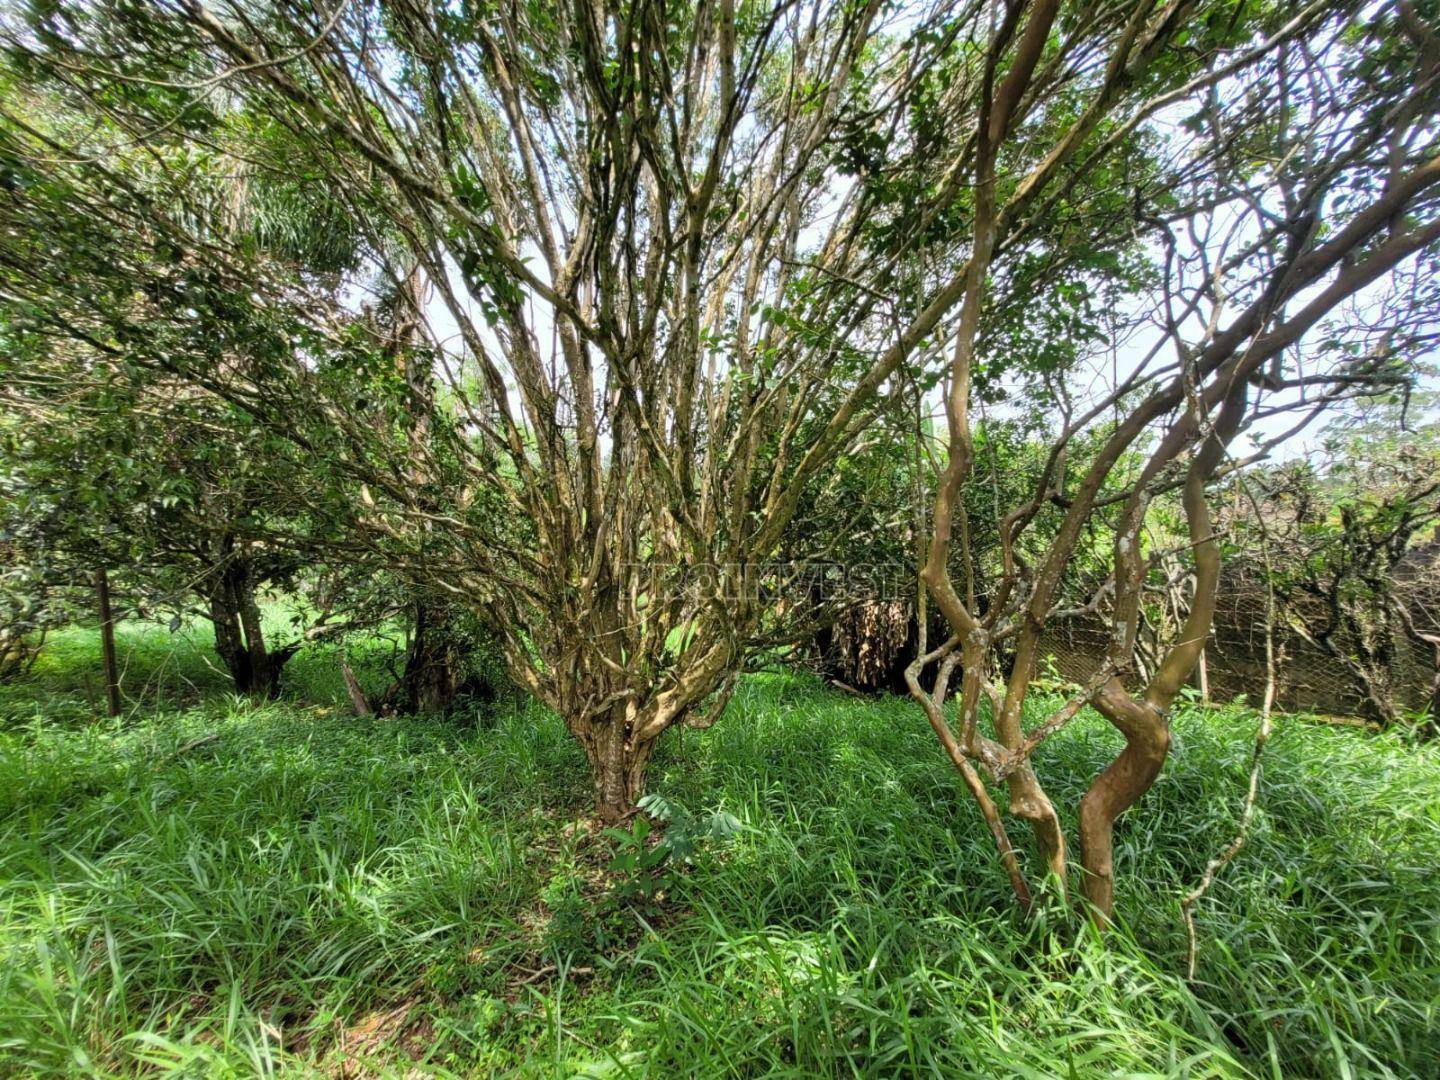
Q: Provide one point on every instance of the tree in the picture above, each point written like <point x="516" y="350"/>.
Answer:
<point x="868" y="515"/>
<point x="1291" y="216"/>
<point x="671" y="247"/>
<point x="124" y="471"/>
<point x="680" y="261"/>
<point x="117" y="462"/>
<point x="1345" y="539"/>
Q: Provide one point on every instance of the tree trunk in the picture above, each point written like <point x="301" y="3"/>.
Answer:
<point x="265" y="666"/>
<point x="229" y="640"/>
<point x="617" y="765"/>
<point x="1119" y="787"/>
<point x="431" y="679"/>
<point x="107" y="644"/>
<point x="239" y="636"/>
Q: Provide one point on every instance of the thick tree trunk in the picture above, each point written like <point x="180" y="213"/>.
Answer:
<point x="240" y="638"/>
<point x="1145" y="721"/>
<point x="229" y="639"/>
<point x="265" y="665"/>
<point x="617" y="765"/>
<point x="432" y="678"/>
<point x="1119" y="787"/>
<point x="107" y="644"/>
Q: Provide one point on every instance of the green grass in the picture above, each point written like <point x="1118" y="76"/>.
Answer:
<point x="308" y="892"/>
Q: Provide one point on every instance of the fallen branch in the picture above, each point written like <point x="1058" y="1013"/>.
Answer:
<point x="352" y="687"/>
<point x="186" y="747"/>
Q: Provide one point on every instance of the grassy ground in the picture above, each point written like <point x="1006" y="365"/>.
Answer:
<point x="305" y="891"/>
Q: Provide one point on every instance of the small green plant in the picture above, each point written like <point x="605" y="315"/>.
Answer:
<point x="645" y="866"/>
<point x="647" y="870"/>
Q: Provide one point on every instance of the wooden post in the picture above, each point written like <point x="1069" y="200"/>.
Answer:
<point x="107" y="644"/>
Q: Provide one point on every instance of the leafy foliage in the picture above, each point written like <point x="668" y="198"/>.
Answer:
<point x="648" y="870"/>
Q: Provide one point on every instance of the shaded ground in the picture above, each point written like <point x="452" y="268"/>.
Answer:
<point x="210" y="886"/>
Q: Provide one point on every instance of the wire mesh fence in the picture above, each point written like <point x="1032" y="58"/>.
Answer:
<point x="1309" y="678"/>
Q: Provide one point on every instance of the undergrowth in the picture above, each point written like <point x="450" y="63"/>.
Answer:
<point x="209" y="886"/>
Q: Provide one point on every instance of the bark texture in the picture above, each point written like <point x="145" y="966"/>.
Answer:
<point x="618" y="761"/>
<point x="239" y="635"/>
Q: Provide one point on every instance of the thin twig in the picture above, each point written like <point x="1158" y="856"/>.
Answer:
<point x="1262" y="736"/>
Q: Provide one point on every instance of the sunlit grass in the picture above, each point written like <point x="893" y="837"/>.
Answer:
<point x="306" y="888"/>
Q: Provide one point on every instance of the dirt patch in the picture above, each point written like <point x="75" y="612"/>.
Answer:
<point x="377" y="1042"/>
